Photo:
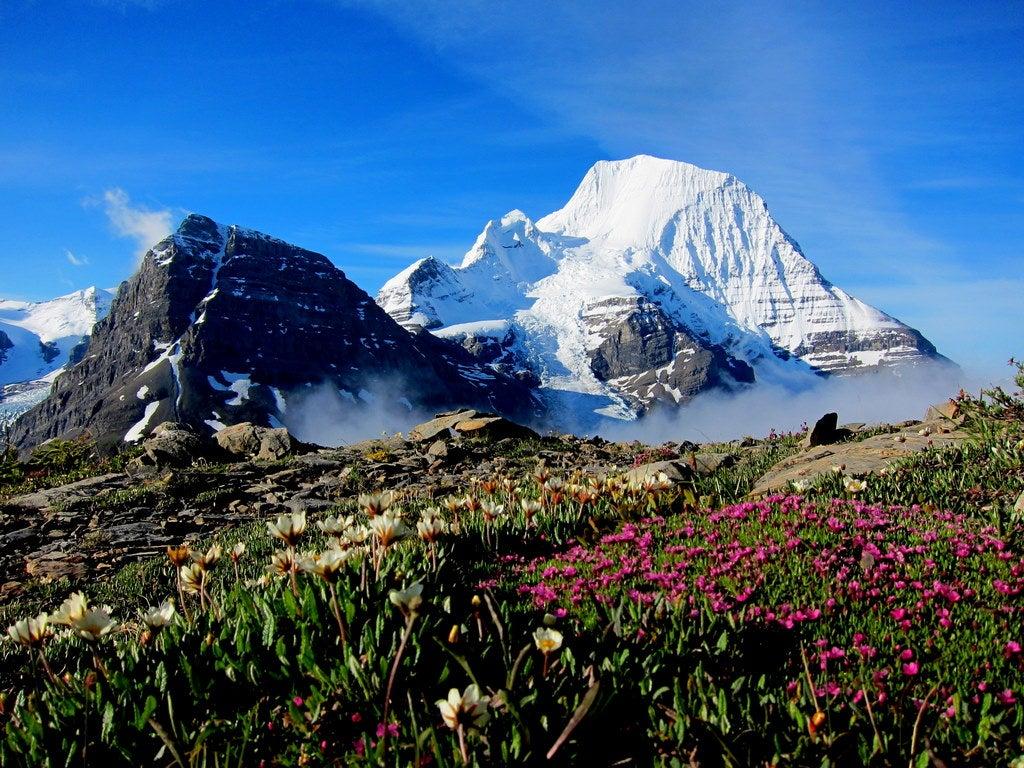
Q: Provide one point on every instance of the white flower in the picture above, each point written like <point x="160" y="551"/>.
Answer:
<point x="191" y="577"/>
<point x="530" y="507"/>
<point x="430" y="528"/>
<point x="94" y="624"/>
<point x="547" y="639"/>
<point x="355" y="535"/>
<point x="160" y="616"/>
<point x="852" y="485"/>
<point x="388" y="527"/>
<point x="799" y="486"/>
<point x="375" y="504"/>
<point x="209" y="558"/>
<point x="467" y="709"/>
<point x="30" y="631"/>
<point x="288" y="528"/>
<point x="553" y="485"/>
<point x="658" y="482"/>
<point x="282" y="562"/>
<point x="491" y="510"/>
<point x="237" y="551"/>
<point x="335" y="526"/>
<point x="328" y="566"/>
<point x="407" y="600"/>
<point x="70" y="610"/>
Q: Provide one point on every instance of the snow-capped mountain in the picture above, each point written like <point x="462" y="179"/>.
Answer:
<point x="39" y="338"/>
<point x="222" y="325"/>
<point x="656" y="281"/>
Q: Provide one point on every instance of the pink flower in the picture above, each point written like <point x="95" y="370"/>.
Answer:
<point x="1006" y="697"/>
<point x="910" y="669"/>
<point x="1012" y="648"/>
<point x="297" y="701"/>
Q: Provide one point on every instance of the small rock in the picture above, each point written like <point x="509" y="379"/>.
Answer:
<point x="437" y="450"/>
<point x="1019" y="506"/>
<point x="677" y="471"/>
<point x="240" y="439"/>
<point x="440" y="425"/>
<point x="707" y="463"/>
<point x="949" y="410"/>
<point x="826" y="432"/>
<point x="171" y="445"/>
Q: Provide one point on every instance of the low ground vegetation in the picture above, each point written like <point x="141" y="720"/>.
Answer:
<point x="552" y="617"/>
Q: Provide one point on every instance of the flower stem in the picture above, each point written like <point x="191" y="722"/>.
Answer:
<point x="391" y="678"/>
<point x="462" y="745"/>
<point x="342" y="634"/>
<point x="46" y="667"/>
<point x="291" y="572"/>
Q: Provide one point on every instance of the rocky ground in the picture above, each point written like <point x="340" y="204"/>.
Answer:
<point x="182" y="488"/>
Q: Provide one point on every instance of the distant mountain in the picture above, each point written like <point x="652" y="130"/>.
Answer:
<point x="658" y="280"/>
<point x="38" y="338"/>
<point x="222" y="325"/>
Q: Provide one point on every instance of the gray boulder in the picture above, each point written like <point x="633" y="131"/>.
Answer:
<point x="172" y="445"/>
<point x="253" y="441"/>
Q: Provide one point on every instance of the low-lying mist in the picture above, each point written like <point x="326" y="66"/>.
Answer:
<point x="325" y="416"/>
<point x="876" y="397"/>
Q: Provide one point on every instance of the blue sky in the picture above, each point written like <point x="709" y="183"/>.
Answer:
<point x="890" y="144"/>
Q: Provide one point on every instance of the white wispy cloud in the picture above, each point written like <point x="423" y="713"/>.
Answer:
<point x="75" y="260"/>
<point x="146" y="226"/>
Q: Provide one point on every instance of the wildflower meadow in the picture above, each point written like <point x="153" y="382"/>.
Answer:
<point x="561" y="619"/>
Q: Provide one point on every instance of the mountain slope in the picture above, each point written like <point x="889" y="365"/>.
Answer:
<point x="656" y="281"/>
<point x="222" y="325"/>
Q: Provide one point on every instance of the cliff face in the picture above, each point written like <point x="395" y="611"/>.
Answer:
<point x="221" y="324"/>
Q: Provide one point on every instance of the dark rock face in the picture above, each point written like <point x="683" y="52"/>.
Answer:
<point x="5" y="344"/>
<point x="77" y="353"/>
<point x="220" y="324"/>
<point x="651" y="360"/>
<point x="48" y="351"/>
<point x="832" y="348"/>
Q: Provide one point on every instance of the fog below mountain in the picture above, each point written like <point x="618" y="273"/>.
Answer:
<point x="325" y="417"/>
<point x="885" y="396"/>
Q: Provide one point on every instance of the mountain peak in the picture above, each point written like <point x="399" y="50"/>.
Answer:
<point x="631" y="200"/>
<point x="202" y="228"/>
